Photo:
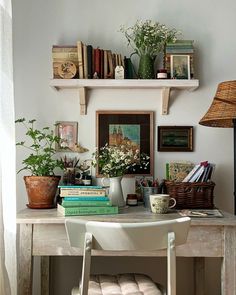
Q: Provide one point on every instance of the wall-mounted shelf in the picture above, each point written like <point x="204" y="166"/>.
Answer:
<point x="83" y="84"/>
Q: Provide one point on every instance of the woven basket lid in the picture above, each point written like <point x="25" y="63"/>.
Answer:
<point x="223" y="108"/>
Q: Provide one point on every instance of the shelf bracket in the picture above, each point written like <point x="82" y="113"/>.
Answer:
<point x="165" y="95"/>
<point x="83" y="102"/>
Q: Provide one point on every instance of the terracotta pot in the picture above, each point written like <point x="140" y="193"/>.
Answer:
<point x="41" y="191"/>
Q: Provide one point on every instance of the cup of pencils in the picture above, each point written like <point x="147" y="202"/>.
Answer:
<point x="148" y="187"/>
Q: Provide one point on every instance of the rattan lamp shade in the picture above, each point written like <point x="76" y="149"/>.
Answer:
<point x="223" y="108"/>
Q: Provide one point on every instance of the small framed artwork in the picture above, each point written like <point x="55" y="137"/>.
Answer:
<point x="132" y="128"/>
<point x="68" y="134"/>
<point x="180" y="66"/>
<point x="175" y="138"/>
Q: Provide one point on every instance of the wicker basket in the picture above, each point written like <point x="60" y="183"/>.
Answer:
<point x="197" y="195"/>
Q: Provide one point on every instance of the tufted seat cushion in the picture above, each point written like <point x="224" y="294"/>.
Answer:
<point x="122" y="284"/>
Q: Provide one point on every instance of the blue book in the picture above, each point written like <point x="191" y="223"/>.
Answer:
<point x="80" y="186"/>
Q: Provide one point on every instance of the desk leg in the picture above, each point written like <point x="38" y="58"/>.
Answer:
<point x="199" y="276"/>
<point x="25" y="262"/>
<point x="45" y="275"/>
<point x="228" y="267"/>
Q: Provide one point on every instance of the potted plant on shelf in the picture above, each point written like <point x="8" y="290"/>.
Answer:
<point x="148" y="38"/>
<point x="42" y="185"/>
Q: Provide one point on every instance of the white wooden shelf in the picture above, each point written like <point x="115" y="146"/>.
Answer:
<point x="165" y="85"/>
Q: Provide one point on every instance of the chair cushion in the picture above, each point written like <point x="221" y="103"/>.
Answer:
<point x="122" y="284"/>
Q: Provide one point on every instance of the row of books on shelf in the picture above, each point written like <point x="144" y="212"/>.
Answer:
<point x="185" y="171"/>
<point x="90" y="62"/>
<point x="81" y="200"/>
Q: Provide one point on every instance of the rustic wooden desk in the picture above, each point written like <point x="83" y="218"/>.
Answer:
<point x="42" y="233"/>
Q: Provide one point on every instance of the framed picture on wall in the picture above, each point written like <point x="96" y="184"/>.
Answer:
<point x="180" y="66"/>
<point x="132" y="128"/>
<point x="175" y="138"/>
<point x="68" y="134"/>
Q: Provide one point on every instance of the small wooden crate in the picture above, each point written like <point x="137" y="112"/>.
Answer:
<point x="197" y="195"/>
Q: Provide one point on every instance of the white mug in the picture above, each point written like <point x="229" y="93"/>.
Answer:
<point x="160" y="203"/>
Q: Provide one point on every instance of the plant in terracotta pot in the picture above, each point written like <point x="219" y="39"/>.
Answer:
<point x="42" y="185"/>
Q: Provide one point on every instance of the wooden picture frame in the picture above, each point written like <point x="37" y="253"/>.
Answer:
<point x="175" y="138"/>
<point x="68" y="133"/>
<point x="134" y="125"/>
<point x="180" y="66"/>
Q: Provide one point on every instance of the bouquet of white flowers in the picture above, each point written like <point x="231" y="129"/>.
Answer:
<point x="149" y="37"/>
<point x="113" y="161"/>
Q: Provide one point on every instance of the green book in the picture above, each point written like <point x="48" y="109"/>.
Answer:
<point x="69" y="211"/>
<point x="77" y="203"/>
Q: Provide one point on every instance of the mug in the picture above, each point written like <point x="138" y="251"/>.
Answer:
<point x="160" y="203"/>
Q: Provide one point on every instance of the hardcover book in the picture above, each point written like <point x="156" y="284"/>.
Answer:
<point x="82" y="198"/>
<point x="177" y="171"/>
<point x="70" y="211"/>
<point x="76" y="203"/>
<point x="80" y="59"/>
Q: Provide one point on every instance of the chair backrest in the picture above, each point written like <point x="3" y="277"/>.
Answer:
<point x="114" y="236"/>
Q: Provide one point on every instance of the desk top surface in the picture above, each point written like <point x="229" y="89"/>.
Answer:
<point x="128" y="214"/>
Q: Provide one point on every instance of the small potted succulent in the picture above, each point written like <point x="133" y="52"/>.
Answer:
<point x="42" y="184"/>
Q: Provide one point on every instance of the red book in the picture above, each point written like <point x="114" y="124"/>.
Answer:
<point x="97" y="63"/>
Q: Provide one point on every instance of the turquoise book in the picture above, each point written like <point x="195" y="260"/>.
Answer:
<point x="75" y="203"/>
<point x="86" y="198"/>
<point x="72" y="211"/>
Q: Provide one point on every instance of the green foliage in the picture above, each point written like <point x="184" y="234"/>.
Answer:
<point x="41" y="161"/>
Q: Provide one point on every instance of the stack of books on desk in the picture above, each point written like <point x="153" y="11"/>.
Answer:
<point x="84" y="200"/>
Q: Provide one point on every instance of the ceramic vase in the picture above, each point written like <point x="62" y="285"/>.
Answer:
<point x="146" y="67"/>
<point x="115" y="190"/>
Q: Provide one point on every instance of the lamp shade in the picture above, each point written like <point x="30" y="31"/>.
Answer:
<point x="223" y="108"/>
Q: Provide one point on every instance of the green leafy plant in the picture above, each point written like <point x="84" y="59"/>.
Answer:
<point x="41" y="161"/>
<point x="149" y="37"/>
<point x="113" y="161"/>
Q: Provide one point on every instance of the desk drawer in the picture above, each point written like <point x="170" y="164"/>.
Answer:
<point x="203" y="241"/>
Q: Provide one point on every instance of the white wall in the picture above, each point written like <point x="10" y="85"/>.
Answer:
<point x="37" y="25"/>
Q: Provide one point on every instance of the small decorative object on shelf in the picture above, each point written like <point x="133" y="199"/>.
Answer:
<point x="162" y="74"/>
<point x="67" y="70"/>
<point x="148" y="38"/>
<point x="132" y="200"/>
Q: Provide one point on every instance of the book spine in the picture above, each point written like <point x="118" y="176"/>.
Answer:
<point x="75" y="198"/>
<point x="87" y="187"/>
<point x="102" y="64"/>
<point x="97" y="62"/>
<point x="82" y="193"/>
<point x="65" y="203"/>
<point x="105" y="66"/>
<point x="80" y="59"/>
<point x="110" y="74"/>
<point x="85" y="61"/>
<point x="87" y="210"/>
<point x="90" y="61"/>
<point x="191" y="173"/>
<point x="177" y="51"/>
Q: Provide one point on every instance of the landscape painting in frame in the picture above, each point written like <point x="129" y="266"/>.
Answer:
<point x="129" y="128"/>
<point x="128" y="135"/>
<point x="175" y="138"/>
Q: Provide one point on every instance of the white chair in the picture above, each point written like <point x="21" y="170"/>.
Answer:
<point x="113" y="236"/>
